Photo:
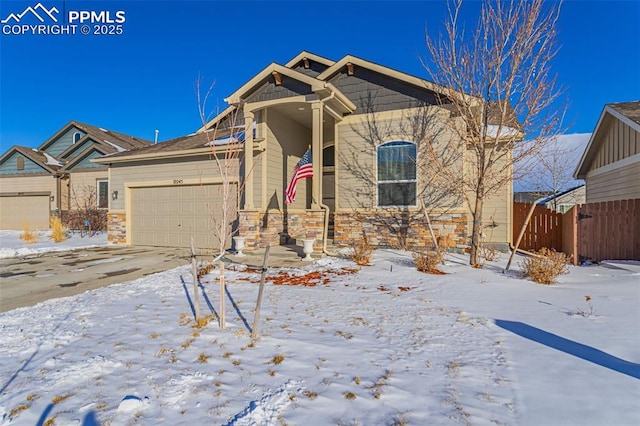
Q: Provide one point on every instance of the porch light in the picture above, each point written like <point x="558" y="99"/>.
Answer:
<point x="52" y="198"/>
<point x="114" y="195"/>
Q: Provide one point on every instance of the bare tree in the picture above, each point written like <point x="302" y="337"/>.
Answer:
<point x="84" y="212"/>
<point x="225" y="141"/>
<point x="497" y="82"/>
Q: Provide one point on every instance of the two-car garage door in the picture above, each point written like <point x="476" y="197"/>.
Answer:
<point x="32" y="209"/>
<point x="168" y="216"/>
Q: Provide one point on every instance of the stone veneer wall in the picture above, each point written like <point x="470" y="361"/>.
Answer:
<point x="261" y="228"/>
<point x="117" y="228"/>
<point x="450" y="229"/>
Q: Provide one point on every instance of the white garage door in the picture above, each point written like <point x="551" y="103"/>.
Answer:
<point x="33" y="209"/>
<point x="169" y="216"/>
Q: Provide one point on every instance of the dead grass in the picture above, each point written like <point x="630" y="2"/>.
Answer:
<point x="362" y="251"/>
<point x="277" y="359"/>
<point x="203" y="358"/>
<point x="546" y="267"/>
<point x="17" y="410"/>
<point x="27" y="235"/>
<point x="429" y="261"/>
<point x="58" y="231"/>
<point x="60" y="398"/>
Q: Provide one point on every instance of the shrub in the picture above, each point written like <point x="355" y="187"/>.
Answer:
<point x="58" y="231"/>
<point x="362" y="251"/>
<point x="546" y="266"/>
<point x="428" y="261"/>
<point x="27" y="235"/>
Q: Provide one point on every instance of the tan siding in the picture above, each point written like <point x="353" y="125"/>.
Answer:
<point x="354" y="192"/>
<point x="287" y="142"/>
<point x="45" y="183"/>
<point x="618" y="184"/>
<point x="82" y="185"/>
<point x="161" y="171"/>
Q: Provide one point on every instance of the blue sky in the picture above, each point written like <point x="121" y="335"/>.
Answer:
<point x="144" y="79"/>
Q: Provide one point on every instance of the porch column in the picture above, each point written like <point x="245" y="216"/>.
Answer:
<point x="248" y="160"/>
<point x="316" y="150"/>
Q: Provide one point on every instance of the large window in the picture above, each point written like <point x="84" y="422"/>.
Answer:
<point x="397" y="174"/>
<point x="103" y="194"/>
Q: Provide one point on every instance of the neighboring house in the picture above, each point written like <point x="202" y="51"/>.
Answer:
<point x="58" y="176"/>
<point x="169" y="192"/>
<point x="610" y="165"/>
<point x="563" y="201"/>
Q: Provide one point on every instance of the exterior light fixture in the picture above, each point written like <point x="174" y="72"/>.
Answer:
<point x="114" y="195"/>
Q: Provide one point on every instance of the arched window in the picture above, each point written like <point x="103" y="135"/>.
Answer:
<point x="77" y="136"/>
<point x="397" y="183"/>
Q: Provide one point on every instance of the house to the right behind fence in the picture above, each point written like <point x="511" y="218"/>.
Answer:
<point x="610" y="165"/>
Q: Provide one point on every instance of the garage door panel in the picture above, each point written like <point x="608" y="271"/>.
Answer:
<point x="170" y="216"/>
<point x="32" y="209"/>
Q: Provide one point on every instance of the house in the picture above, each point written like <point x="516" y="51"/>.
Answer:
<point x="610" y="164"/>
<point x="563" y="201"/>
<point x="58" y="177"/>
<point x="167" y="193"/>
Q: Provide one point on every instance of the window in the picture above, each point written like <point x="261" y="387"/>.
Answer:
<point x="103" y="194"/>
<point x="20" y="163"/>
<point x="76" y="137"/>
<point x="329" y="156"/>
<point x="397" y="182"/>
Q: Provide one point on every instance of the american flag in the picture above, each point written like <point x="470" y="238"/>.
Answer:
<point x="302" y="170"/>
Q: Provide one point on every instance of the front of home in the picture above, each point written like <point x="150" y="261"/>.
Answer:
<point x="368" y="178"/>
<point x="58" y="177"/>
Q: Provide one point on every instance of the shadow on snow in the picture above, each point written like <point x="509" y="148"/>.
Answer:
<point x="570" y="347"/>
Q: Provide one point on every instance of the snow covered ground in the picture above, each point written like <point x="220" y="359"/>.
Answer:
<point x="12" y="246"/>
<point x="378" y="346"/>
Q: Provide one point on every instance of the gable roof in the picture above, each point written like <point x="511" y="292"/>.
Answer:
<point x="47" y="162"/>
<point x="626" y="112"/>
<point x="83" y="155"/>
<point x="108" y="138"/>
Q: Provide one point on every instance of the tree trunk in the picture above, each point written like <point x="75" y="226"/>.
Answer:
<point x="476" y="236"/>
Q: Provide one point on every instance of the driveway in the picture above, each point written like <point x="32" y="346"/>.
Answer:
<point x="29" y="280"/>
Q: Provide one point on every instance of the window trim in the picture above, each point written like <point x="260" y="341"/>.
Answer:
<point x="73" y="138"/>
<point x="98" y="182"/>
<point x="378" y="181"/>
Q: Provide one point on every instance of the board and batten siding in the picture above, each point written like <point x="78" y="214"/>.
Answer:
<point x="62" y="142"/>
<point x="619" y="142"/>
<point x="163" y="172"/>
<point x="287" y="142"/>
<point x="385" y="93"/>
<point x="10" y="166"/>
<point x="620" y="183"/>
<point x="268" y="90"/>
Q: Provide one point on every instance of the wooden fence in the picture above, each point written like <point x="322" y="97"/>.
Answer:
<point x="544" y="228"/>
<point x="593" y="232"/>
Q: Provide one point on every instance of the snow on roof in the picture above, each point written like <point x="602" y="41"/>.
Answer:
<point x="495" y="131"/>
<point x="52" y="161"/>
<point x="117" y="147"/>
